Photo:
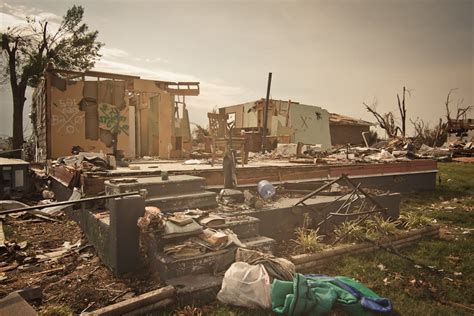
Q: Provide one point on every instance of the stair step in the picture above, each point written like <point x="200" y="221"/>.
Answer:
<point x="156" y="187"/>
<point x="181" y="202"/>
<point x="260" y="243"/>
<point x="243" y="226"/>
<point x="211" y="262"/>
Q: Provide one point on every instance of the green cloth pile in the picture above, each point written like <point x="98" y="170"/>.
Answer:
<point x="316" y="295"/>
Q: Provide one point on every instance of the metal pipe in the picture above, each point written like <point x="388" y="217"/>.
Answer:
<point x="265" y="113"/>
<point x="95" y="198"/>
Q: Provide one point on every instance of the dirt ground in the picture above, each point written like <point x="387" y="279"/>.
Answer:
<point x="75" y="281"/>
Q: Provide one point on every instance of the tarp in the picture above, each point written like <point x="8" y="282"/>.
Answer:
<point x="316" y="295"/>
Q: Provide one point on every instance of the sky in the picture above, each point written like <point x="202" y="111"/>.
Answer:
<point x="333" y="54"/>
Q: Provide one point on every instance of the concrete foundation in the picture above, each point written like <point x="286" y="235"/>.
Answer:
<point x="116" y="238"/>
<point x="279" y="221"/>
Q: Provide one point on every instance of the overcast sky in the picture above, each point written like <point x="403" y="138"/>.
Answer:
<point x="334" y="54"/>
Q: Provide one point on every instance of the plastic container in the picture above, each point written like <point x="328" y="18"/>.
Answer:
<point x="265" y="189"/>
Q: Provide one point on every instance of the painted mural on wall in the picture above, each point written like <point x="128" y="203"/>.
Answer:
<point x="67" y="118"/>
<point x="84" y="114"/>
<point x="112" y="122"/>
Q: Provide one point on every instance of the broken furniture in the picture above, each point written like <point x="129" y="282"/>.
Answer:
<point x="221" y="138"/>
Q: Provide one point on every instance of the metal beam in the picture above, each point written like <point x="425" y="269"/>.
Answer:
<point x="95" y="198"/>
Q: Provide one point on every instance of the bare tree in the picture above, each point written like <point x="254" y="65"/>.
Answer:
<point x="386" y="121"/>
<point x="461" y="112"/>
<point x="403" y="111"/>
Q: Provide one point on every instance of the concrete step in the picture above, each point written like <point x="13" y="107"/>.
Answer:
<point x="211" y="262"/>
<point x="243" y="226"/>
<point x="181" y="202"/>
<point x="156" y="187"/>
<point x="201" y="288"/>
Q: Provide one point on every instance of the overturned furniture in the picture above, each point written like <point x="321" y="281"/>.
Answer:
<point x="222" y="139"/>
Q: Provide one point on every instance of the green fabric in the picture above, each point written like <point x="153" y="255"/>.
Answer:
<point x="316" y="296"/>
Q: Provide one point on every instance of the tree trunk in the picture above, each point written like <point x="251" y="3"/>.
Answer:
<point x="18" y="105"/>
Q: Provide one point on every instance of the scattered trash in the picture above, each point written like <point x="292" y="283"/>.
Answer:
<point x="196" y="162"/>
<point x="212" y="221"/>
<point x="246" y="285"/>
<point x="152" y="220"/>
<point x="277" y="268"/>
<point x="265" y="189"/>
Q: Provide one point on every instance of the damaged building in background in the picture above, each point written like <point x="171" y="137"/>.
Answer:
<point x="293" y="122"/>
<point x="110" y="113"/>
<point x="347" y="130"/>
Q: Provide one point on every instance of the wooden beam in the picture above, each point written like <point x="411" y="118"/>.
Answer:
<point x="135" y="303"/>
<point x="2" y="236"/>
<point x="98" y="74"/>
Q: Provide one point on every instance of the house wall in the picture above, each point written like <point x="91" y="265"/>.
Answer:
<point x="39" y="117"/>
<point x="310" y="125"/>
<point x="82" y="113"/>
<point x="160" y="133"/>
<point x="298" y="121"/>
<point x="73" y="123"/>
<point x="347" y="134"/>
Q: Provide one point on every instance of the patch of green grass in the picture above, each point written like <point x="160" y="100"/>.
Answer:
<point x="415" y="290"/>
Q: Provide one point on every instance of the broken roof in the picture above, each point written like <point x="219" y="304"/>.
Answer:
<point x="338" y="119"/>
<point x="178" y="88"/>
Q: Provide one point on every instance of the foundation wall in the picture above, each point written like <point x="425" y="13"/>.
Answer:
<point x="281" y="223"/>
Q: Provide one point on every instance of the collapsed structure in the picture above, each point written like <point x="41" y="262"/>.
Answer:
<point x="293" y="122"/>
<point x="174" y="218"/>
<point x="117" y="114"/>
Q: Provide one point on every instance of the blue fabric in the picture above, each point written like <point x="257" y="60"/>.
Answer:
<point x="375" y="304"/>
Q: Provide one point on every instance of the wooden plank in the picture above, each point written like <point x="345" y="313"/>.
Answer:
<point x="136" y="302"/>
<point x="2" y="236"/>
<point x="98" y="74"/>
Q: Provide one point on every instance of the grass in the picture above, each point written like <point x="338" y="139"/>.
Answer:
<point x="412" y="289"/>
<point x="307" y="240"/>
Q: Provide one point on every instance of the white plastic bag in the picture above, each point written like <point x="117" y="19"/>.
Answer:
<point x="246" y="285"/>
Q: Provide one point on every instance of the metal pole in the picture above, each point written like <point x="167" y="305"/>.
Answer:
<point x="95" y="198"/>
<point x="265" y="113"/>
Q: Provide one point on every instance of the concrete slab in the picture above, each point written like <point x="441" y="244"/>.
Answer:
<point x="155" y="186"/>
<point x="181" y="202"/>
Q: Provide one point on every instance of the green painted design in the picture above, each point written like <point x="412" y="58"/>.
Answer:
<point x="110" y="116"/>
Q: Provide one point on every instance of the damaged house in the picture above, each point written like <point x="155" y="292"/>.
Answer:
<point x="287" y="121"/>
<point x="347" y="130"/>
<point x="293" y="122"/>
<point x="110" y="113"/>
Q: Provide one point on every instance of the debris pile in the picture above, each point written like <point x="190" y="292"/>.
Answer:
<point x="54" y="265"/>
